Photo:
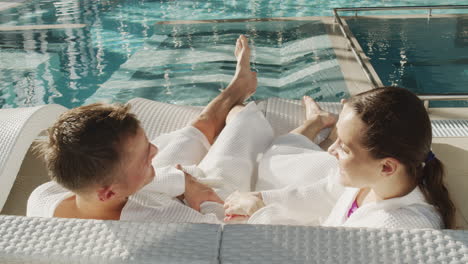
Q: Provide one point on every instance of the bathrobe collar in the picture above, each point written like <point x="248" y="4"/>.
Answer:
<point x="338" y="216"/>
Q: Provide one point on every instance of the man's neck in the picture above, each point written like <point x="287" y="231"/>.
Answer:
<point x="89" y="208"/>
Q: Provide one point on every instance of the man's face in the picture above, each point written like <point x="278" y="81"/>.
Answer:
<point x="136" y="168"/>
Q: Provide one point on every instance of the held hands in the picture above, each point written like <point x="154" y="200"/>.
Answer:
<point x="240" y="206"/>
<point x="196" y="193"/>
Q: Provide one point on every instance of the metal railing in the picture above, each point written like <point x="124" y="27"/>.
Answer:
<point x="365" y="66"/>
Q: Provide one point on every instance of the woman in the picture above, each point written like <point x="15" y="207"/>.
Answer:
<point x="392" y="178"/>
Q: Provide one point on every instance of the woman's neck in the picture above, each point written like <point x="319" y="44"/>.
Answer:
<point x="387" y="189"/>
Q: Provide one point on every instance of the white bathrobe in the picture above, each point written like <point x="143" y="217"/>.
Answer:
<point x="314" y="205"/>
<point x="317" y="198"/>
<point x="229" y="165"/>
<point x="313" y="195"/>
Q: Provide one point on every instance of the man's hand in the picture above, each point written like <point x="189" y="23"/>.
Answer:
<point x="196" y="193"/>
<point x="240" y="206"/>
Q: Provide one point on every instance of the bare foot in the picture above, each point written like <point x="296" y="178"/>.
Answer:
<point x="213" y="117"/>
<point x="313" y="111"/>
<point x="242" y="53"/>
<point x="244" y="81"/>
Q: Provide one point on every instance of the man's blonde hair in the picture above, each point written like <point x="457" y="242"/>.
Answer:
<point x="84" y="146"/>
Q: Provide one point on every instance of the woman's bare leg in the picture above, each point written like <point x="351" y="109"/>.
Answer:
<point x="333" y="134"/>
<point x="316" y="119"/>
<point x="212" y="119"/>
<point x="330" y="139"/>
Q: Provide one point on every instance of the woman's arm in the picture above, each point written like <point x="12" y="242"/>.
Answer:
<point x="315" y="200"/>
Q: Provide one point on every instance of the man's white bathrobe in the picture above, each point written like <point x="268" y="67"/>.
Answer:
<point x="229" y="164"/>
<point x="313" y="195"/>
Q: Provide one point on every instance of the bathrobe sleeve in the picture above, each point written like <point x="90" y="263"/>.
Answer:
<point x="314" y="201"/>
<point x="167" y="180"/>
<point x="186" y="146"/>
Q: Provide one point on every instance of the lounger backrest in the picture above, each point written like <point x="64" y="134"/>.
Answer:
<point x="18" y="128"/>
<point x="158" y="118"/>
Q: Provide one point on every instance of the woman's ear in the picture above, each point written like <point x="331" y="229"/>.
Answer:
<point x="343" y="101"/>
<point x="389" y="166"/>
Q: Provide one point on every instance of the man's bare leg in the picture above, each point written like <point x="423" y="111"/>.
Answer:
<point x="316" y="120"/>
<point x="212" y="120"/>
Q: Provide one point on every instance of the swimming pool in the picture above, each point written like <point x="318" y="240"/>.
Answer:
<point x="425" y="56"/>
<point x="116" y="52"/>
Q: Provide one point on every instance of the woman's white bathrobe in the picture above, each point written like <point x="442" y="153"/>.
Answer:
<point x="310" y="205"/>
<point x="317" y="197"/>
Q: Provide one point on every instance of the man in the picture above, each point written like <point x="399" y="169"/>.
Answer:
<point x="103" y="166"/>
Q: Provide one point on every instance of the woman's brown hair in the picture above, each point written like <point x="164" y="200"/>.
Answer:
<point x="398" y="126"/>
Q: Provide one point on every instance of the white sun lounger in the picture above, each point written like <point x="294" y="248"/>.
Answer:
<point x="18" y="129"/>
<point x="53" y="240"/>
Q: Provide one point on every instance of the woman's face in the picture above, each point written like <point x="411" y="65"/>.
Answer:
<point x="357" y="168"/>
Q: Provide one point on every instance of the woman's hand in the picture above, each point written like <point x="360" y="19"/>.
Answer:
<point x="197" y="193"/>
<point x="240" y="206"/>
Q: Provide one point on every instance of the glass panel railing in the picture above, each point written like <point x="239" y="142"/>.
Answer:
<point x="453" y="59"/>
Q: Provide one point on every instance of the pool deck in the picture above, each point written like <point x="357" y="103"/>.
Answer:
<point x="41" y="27"/>
<point x="4" y="5"/>
<point x="355" y="79"/>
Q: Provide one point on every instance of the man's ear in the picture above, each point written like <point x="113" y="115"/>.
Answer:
<point x="105" y="193"/>
<point x="389" y="166"/>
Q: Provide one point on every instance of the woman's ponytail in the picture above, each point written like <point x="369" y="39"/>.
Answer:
<point x="435" y="192"/>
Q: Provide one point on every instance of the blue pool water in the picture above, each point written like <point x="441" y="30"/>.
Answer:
<point x="120" y="53"/>
<point x="425" y="56"/>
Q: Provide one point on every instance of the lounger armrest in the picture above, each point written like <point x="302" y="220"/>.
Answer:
<point x="58" y="240"/>
<point x="18" y="129"/>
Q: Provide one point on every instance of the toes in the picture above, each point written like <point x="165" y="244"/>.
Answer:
<point x="239" y="43"/>
<point x="313" y="103"/>
<point x="238" y="48"/>
<point x="244" y="41"/>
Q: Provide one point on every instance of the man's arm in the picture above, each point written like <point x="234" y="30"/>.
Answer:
<point x="197" y="193"/>
<point x="167" y="180"/>
<point x="175" y="182"/>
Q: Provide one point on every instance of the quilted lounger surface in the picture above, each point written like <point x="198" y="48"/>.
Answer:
<point x="49" y="240"/>
<point x="69" y="241"/>
<point x="299" y="244"/>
